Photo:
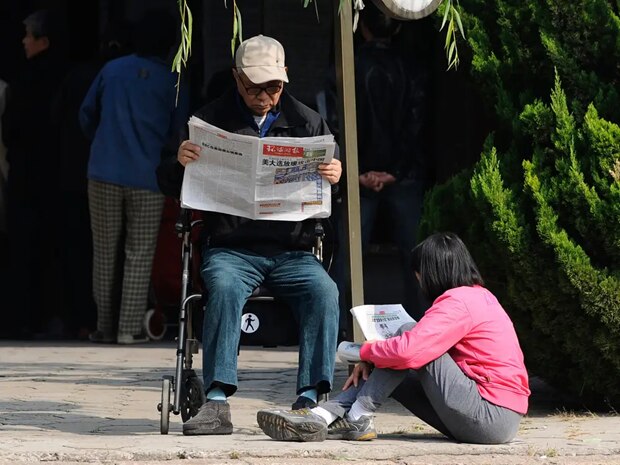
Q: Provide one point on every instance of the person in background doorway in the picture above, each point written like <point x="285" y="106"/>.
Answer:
<point x="130" y="113"/>
<point x="73" y="235"/>
<point x="4" y="167"/>
<point x="390" y="99"/>
<point x="28" y="135"/>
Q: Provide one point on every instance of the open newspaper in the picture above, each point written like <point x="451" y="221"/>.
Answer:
<point x="270" y="178"/>
<point x="377" y="322"/>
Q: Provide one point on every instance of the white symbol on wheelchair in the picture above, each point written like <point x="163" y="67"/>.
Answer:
<point x="249" y="323"/>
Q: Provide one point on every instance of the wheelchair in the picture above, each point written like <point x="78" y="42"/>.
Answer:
<point x="183" y="393"/>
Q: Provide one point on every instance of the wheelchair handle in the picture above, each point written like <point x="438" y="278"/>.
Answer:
<point x="184" y="223"/>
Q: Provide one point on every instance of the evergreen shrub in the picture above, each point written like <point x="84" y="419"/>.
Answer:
<point x="541" y="208"/>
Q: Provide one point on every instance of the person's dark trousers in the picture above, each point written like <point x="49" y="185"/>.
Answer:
<point x="299" y="280"/>
<point x="76" y="253"/>
<point x="26" y="226"/>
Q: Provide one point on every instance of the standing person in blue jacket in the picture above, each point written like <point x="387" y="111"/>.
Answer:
<point x="130" y="112"/>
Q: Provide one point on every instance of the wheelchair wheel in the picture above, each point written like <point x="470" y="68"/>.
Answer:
<point x="192" y="395"/>
<point x="164" y="406"/>
<point x="155" y="324"/>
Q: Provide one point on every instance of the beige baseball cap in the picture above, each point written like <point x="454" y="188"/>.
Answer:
<point x="261" y="59"/>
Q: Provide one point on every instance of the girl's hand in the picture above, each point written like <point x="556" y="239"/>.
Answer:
<point x="362" y="369"/>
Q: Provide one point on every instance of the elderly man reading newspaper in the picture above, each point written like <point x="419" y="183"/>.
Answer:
<point x="243" y="253"/>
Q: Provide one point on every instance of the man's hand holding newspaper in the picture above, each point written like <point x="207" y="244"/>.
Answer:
<point x="271" y="178"/>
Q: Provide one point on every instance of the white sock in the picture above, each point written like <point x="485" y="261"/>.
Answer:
<point x="329" y="417"/>
<point x="357" y="411"/>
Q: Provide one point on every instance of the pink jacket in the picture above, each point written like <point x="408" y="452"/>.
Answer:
<point x="471" y="325"/>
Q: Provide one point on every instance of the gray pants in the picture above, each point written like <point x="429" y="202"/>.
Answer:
<point x="439" y="394"/>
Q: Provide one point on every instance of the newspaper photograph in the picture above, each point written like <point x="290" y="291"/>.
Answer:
<point x="270" y="178"/>
<point x="379" y="322"/>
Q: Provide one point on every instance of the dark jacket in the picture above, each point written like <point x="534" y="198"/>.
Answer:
<point x="74" y="146"/>
<point x="267" y="238"/>
<point x="390" y="99"/>
<point x="27" y="128"/>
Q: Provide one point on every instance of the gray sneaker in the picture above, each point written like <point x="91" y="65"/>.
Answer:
<point x="362" y="429"/>
<point x="292" y="425"/>
<point x="212" y="418"/>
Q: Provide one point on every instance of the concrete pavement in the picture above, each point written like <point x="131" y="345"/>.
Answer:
<point x="70" y="402"/>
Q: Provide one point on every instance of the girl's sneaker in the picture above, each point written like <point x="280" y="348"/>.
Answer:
<point x="362" y="429"/>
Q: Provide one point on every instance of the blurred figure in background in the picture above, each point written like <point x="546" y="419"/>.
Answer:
<point x="4" y="166"/>
<point x="73" y="235"/>
<point x="130" y="112"/>
<point x="27" y="132"/>
<point x="390" y="97"/>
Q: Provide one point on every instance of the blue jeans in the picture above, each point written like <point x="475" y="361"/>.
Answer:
<point x="298" y="279"/>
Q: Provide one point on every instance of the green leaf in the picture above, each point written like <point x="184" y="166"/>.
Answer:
<point x="177" y="58"/>
<point x="445" y="14"/>
<point x="190" y="27"/>
<point x="451" y="51"/>
<point x="459" y="23"/>
<point x="234" y="35"/>
<point x="449" y="34"/>
<point x="239" y="22"/>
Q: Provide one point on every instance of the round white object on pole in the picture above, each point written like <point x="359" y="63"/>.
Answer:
<point x="407" y="9"/>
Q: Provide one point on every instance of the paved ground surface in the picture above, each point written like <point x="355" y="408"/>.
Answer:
<point x="76" y="402"/>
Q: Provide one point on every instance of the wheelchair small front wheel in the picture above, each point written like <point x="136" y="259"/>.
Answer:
<point x="155" y="324"/>
<point x="192" y="395"/>
<point x="164" y="407"/>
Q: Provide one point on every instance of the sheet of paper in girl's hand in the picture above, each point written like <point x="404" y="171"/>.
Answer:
<point x="379" y="322"/>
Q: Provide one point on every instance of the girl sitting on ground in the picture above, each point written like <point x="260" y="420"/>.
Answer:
<point x="460" y="368"/>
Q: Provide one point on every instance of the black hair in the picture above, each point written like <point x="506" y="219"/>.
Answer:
<point x="155" y="34"/>
<point x="443" y="262"/>
<point x="115" y="41"/>
<point x="44" y="23"/>
<point x="379" y="25"/>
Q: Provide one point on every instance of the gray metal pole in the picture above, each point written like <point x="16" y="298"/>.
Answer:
<point x="345" y="78"/>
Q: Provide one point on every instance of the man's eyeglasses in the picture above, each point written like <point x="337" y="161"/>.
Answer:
<point x="256" y="90"/>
